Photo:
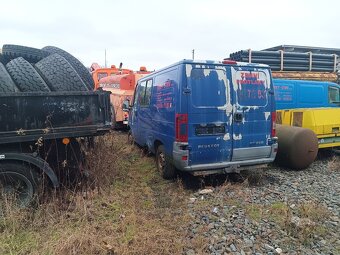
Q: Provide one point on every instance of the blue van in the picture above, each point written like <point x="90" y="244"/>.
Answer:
<point x="293" y="94"/>
<point x="206" y="117"/>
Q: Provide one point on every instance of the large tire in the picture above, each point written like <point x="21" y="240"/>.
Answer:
<point x="32" y="55"/>
<point x="75" y="63"/>
<point x="59" y="74"/>
<point x="25" y="76"/>
<point x="20" y="182"/>
<point x="3" y="59"/>
<point x="164" y="166"/>
<point x="6" y="82"/>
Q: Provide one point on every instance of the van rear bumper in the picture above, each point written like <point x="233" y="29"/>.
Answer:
<point x="228" y="167"/>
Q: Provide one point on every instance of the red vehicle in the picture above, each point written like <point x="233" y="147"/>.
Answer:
<point x="121" y="83"/>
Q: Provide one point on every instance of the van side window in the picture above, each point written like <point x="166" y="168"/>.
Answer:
<point x="144" y="93"/>
<point x="101" y="75"/>
<point x="141" y="93"/>
<point x="148" y="89"/>
<point x="333" y="95"/>
<point x="208" y="89"/>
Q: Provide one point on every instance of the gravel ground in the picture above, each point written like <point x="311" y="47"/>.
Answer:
<point x="274" y="211"/>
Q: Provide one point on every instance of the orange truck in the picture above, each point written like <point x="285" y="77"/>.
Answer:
<point x="121" y="83"/>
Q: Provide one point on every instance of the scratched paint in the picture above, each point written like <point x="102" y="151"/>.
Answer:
<point x="206" y="72"/>
<point x="226" y="137"/>
<point x="228" y="105"/>
<point x="266" y="115"/>
<point x="188" y="69"/>
<point x="237" y="137"/>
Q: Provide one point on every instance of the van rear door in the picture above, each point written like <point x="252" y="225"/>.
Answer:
<point x="252" y="122"/>
<point x="209" y="114"/>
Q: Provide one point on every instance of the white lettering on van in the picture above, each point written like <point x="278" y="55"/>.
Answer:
<point x="208" y="146"/>
<point x="237" y="137"/>
<point x="226" y="137"/>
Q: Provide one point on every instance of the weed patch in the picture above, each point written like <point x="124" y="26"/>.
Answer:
<point x="124" y="208"/>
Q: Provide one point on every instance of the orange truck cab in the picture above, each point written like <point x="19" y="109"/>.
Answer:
<point x="121" y="83"/>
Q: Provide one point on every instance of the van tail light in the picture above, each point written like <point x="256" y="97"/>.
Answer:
<point x="181" y="125"/>
<point x="273" y="114"/>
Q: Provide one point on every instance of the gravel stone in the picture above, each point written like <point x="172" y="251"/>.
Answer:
<point x="250" y="217"/>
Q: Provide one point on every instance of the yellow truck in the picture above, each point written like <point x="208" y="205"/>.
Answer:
<point x="310" y="104"/>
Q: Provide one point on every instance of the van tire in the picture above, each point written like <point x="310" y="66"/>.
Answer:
<point x="21" y="179"/>
<point x="59" y="74"/>
<point x="32" y="55"/>
<point x="25" y="76"/>
<point x="6" y="82"/>
<point x="164" y="166"/>
<point x="82" y="71"/>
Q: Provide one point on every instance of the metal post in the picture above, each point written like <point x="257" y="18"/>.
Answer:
<point x="193" y="54"/>
<point x="105" y="58"/>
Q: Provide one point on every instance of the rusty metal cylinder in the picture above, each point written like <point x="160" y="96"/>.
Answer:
<point x="298" y="147"/>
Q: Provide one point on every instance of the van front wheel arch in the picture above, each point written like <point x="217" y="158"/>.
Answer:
<point x="164" y="166"/>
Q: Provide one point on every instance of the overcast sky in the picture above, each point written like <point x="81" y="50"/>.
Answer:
<point x="159" y="33"/>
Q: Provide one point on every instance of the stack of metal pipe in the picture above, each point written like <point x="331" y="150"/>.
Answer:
<point x="289" y="61"/>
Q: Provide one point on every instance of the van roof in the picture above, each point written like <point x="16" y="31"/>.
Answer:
<point x="205" y="62"/>
<point x="322" y="83"/>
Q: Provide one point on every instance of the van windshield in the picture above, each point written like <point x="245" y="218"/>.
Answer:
<point x="208" y="87"/>
<point x="333" y="95"/>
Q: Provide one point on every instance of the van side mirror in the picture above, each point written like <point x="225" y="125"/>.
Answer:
<point x="126" y="105"/>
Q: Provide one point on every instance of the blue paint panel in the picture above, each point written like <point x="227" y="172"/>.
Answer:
<point x="255" y="104"/>
<point x="292" y="94"/>
<point x="228" y="107"/>
<point x="208" y="88"/>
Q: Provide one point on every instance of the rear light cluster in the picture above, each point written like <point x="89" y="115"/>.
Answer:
<point x="229" y="62"/>
<point x="273" y="114"/>
<point x="126" y="116"/>
<point x="181" y="124"/>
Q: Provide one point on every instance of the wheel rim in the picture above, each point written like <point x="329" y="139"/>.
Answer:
<point x="17" y="187"/>
<point x="161" y="161"/>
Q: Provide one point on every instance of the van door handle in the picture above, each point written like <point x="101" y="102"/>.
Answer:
<point x="238" y="117"/>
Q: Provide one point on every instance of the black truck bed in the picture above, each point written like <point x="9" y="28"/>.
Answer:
<point x="28" y="116"/>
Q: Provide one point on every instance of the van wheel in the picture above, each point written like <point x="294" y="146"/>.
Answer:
<point x="164" y="167"/>
<point x="18" y="183"/>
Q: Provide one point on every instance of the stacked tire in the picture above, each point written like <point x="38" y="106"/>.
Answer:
<point x="27" y="69"/>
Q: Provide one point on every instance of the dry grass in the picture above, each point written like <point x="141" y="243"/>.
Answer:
<point x="126" y="209"/>
<point x="334" y="163"/>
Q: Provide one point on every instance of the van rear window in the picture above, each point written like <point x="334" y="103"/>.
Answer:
<point x="251" y="88"/>
<point x="208" y="87"/>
